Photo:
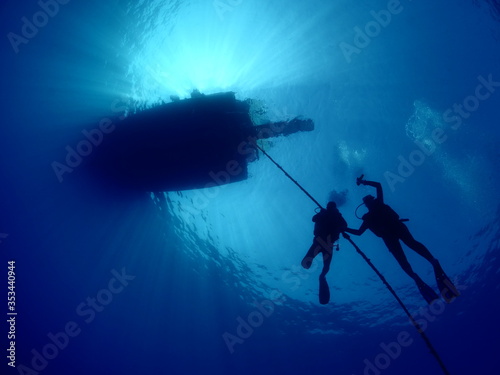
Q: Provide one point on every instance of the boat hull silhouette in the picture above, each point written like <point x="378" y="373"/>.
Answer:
<point x="186" y="144"/>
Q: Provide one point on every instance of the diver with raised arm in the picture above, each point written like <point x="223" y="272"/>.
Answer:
<point x="385" y="223"/>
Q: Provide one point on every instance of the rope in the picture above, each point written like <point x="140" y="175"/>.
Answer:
<point x="347" y="237"/>
<point x="286" y="173"/>
<point x="412" y="319"/>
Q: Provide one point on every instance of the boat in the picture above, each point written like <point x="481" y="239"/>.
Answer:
<point x="194" y="143"/>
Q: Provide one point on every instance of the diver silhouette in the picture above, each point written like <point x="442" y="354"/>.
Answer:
<point x="384" y="222"/>
<point x="328" y="224"/>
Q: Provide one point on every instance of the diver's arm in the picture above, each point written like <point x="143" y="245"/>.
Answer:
<point x="357" y="232"/>
<point x="378" y="186"/>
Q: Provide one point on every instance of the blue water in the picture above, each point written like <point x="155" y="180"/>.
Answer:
<point x="171" y="283"/>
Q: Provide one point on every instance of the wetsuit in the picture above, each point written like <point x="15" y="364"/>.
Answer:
<point x="384" y="222"/>
<point x="327" y="228"/>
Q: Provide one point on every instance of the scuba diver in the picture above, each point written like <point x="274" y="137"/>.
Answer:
<point x="384" y="222"/>
<point x="328" y="224"/>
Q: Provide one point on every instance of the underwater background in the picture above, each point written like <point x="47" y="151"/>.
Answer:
<point x="196" y="282"/>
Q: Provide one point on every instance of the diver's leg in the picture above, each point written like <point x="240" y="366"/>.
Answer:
<point x="407" y="238"/>
<point x="395" y="248"/>
<point x="446" y="287"/>
<point x="314" y="250"/>
<point x="327" y="260"/>
<point x="324" y="289"/>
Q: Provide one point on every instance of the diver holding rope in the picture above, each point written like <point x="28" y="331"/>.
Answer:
<point x="385" y="223"/>
<point x="324" y="290"/>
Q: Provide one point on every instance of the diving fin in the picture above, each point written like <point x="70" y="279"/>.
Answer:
<point x="427" y="292"/>
<point x="324" y="291"/>
<point x="448" y="291"/>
